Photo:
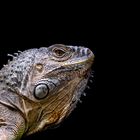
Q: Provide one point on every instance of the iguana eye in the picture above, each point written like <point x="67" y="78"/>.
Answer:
<point x="58" y="52"/>
<point x="41" y="91"/>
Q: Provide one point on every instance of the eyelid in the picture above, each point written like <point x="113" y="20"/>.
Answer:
<point x="59" y="49"/>
<point x="68" y="53"/>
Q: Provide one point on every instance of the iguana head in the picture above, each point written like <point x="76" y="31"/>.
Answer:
<point x="48" y="83"/>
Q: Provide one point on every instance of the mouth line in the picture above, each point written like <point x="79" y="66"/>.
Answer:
<point x="73" y="66"/>
<point x="79" y="70"/>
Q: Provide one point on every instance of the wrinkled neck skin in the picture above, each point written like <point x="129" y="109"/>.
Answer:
<point x="12" y="124"/>
<point x="33" y="116"/>
<point x="58" y="106"/>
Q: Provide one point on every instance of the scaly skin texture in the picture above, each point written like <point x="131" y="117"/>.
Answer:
<point x="40" y="87"/>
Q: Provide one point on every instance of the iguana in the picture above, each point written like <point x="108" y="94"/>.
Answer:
<point x="40" y="87"/>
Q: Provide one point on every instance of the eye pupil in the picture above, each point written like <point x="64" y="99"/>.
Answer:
<point x="41" y="91"/>
<point x="59" y="52"/>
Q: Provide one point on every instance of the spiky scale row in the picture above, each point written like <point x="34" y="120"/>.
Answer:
<point x="11" y="55"/>
<point x="13" y="73"/>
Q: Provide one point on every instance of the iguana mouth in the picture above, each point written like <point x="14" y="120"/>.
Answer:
<point x="81" y="69"/>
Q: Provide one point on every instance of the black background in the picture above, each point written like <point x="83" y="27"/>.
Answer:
<point x="91" y="118"/>
<point x="105" y="28"/>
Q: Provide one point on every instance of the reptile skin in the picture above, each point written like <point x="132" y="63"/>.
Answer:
<point x="40" y="87"/>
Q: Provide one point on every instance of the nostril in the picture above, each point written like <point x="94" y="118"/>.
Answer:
<point x="88" y="52"/>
